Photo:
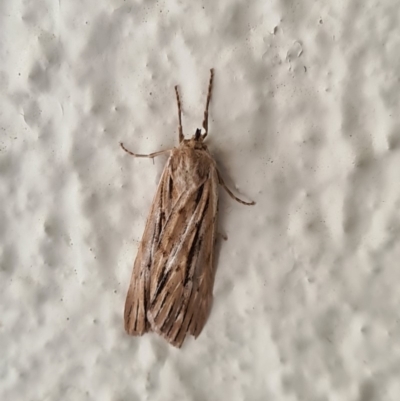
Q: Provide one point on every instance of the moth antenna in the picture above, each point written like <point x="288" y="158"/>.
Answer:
<point x="181" y="137"/>
<point x="205" y="120"/>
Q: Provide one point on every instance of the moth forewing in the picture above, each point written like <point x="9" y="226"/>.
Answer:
<point x="137" y="299"/>
<point x="173" y="275"/>
<point x="181" y="286"/>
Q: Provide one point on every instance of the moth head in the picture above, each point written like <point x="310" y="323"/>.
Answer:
<point x="200" y="135"/>
<point x="197" y="140"/>
<point x="197" y="136"/>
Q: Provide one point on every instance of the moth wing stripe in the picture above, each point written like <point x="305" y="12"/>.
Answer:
<point x="167" y="268"/>
<point x="135" y="314"/>
<point x="171" y="324"/>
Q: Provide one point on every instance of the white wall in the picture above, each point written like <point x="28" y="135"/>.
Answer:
<point x="304" y="120"/>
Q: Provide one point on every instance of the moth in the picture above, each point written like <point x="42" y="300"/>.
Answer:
<point x="172" y="281"/>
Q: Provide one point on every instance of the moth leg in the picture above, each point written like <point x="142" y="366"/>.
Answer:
<point x="205" y="120"/>
<point x="179" y="114"/>
<point x="151" y="155"/>
<point x="221" y="181"/>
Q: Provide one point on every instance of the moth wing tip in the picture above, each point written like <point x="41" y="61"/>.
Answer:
<point x="156" y="329"/>
<point x="130" y="329"/>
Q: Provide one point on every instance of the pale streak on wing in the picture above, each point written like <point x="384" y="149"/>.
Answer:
<point x="182" y="281"/>
<point x="137" y="299"/>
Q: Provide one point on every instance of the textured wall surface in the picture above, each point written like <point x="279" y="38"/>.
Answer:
<point x="304" y="120"/>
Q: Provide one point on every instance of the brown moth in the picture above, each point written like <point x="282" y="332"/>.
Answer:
<point x="172" y="281"/>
